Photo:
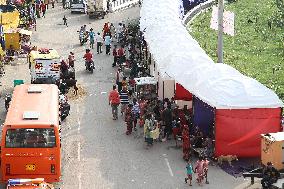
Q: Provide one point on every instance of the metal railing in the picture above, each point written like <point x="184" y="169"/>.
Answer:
<point x="196" y="10"/>
<point x="122" y="4"/>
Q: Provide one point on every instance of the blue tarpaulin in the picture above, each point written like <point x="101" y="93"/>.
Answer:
<point x="203" y="116"/>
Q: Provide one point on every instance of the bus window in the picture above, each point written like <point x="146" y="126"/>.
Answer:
<point x="30" y="138"/>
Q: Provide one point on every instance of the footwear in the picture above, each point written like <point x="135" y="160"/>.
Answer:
<point x="185" y="180"/>
<point x="135" y="129"/>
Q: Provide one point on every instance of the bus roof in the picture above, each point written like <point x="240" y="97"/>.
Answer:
<point x="48" y="54"/>
<point x="30" y="107"/>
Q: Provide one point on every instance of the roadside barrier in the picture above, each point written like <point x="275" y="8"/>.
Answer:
<point x="198" y="9"/>
<point x="122" y="4"/>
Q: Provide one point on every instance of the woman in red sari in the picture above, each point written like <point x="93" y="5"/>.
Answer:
<point x="185" y="143"/>
<point x="106" y="29"/>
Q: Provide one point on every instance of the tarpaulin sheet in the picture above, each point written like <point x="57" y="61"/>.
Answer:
<point x="237" y="132"/>
<point x="203" y="116"/>
<point x="181" y="57"/>
<point x="182" y="94"/>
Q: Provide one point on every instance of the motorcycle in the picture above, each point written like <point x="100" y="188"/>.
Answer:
<point x="90" y="66"/>
<point x="8" y="99"/>
<point x="64" y="107"/>
<point x="83" y="38"/>
<point x="64" y="111"/>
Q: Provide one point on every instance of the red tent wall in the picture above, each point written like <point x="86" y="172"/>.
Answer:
<point x="182" y="94"/>
<point x="237" y="132"/>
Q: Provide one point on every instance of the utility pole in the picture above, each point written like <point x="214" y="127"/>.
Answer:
<point x="220" y="30"/>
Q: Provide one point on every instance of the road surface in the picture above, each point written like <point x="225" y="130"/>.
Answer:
<point x="96" y="152"/>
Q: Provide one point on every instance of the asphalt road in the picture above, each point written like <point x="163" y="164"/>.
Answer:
<point x="96" y="153"/>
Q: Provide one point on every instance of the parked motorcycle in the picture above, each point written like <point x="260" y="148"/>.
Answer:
<point x="8" y="99"/>
<point x="90" y="66"/>
<point x="64" y="107"/>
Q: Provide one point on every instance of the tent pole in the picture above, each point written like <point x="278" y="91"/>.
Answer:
<point x="163" y="90"/>
<point x="220" y="30"/>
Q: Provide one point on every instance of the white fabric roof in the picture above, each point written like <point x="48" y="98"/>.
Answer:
<point x="180" y="56"/>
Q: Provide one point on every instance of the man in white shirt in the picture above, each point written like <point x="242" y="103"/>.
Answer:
<point x="99" y="41"/>
<point x="119" y="32"/>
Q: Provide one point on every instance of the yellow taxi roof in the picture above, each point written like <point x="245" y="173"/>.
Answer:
<point x="52" y="54"/>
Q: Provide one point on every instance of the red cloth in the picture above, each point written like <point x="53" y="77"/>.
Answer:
<point x="120" y="52"/>
<point x="43" y="7"/>
<point x="182" y="94"/>
<point x="176" y="131"/>
<point x="248" y="125"/>
<point x="88" y="56"/>
<point x="114" y="52"/>
<point x="114" y="97"/>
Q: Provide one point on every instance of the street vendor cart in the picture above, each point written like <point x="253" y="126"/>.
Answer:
<point x="146" y="87"/>
<point x="272" y="148"/>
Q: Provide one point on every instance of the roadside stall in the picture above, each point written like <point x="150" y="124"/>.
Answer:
<point x="146" y="87"/>
<point x="12" y="39"/>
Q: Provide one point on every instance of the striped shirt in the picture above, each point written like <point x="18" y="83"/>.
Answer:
<point x="136" y="109"/>
<point x="124" y="97"/>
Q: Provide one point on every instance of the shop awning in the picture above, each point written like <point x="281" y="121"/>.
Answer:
<point x="25" y="32"/>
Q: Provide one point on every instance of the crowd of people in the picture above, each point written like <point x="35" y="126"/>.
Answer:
<point x="161" y="120"/>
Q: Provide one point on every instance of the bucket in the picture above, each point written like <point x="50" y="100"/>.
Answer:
<point x="18" y="82"/>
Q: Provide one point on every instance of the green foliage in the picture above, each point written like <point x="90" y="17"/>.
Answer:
<point x="256" y="50"/>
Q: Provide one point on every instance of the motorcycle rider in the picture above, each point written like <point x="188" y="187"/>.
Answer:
<point x="88" y="58"/>
<point x="83" y="35"/>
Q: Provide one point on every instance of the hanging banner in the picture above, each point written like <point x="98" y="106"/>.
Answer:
<point x="228" y="21"/>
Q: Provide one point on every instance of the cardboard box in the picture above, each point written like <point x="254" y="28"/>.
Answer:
<point x="272" y="149"/>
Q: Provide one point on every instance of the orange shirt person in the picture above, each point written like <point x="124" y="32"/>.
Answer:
<point x="114" y="101"/>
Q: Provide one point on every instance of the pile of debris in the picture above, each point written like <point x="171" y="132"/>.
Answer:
<point x="81" y="93"/>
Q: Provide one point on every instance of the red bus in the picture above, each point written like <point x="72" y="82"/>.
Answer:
<point x="30" y="146"/>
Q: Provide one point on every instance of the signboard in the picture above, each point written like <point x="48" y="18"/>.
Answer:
<point x="228" y="21"/>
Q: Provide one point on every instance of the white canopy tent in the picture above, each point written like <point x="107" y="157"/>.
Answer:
<point x="180" y="56"/>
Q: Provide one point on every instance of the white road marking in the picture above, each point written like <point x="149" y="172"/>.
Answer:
<point x="80" y="182"/>
<point x="79" y="146"/>
<point x="79" y="126"/>
<point x="79" y="151"/>
<point x="78" y="119"/>
<point x="169" y="167"/>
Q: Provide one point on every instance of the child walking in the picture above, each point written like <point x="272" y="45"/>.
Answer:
<point x="65" y="21"/>
<point x="189" y="172"/>
<point x="199" y="169"/>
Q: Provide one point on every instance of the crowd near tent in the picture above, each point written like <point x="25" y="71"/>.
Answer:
<point x="233" y="108"/>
